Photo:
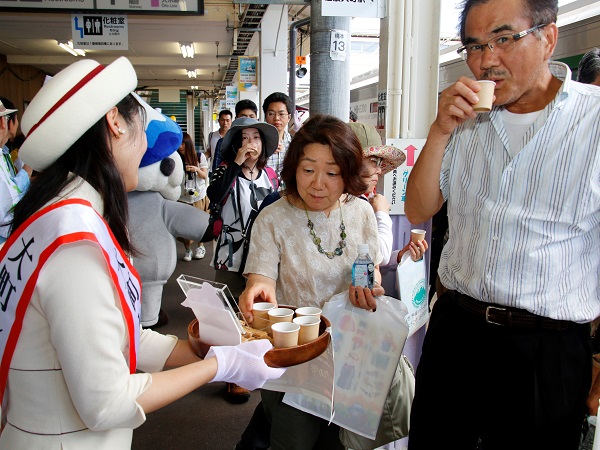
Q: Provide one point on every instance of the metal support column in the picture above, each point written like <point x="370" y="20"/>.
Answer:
<point x="329" y="79"/>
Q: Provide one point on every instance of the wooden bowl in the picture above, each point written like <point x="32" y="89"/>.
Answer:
<point x="276" y="357"/>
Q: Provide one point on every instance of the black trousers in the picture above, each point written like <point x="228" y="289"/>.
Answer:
<point x="484" y="386"/>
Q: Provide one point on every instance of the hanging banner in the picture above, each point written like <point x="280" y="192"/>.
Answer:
<point x="204" y="104"/>
<point x="354" y="8"/>
<point x="394" y="182"/>
<point x="100" y="32"/>
<point x="248" y="73"/>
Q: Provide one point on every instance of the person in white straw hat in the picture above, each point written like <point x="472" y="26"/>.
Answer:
<point x="72" y="349"/>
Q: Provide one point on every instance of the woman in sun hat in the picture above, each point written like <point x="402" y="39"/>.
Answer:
<point x="379" y="159"/>
<point x="239" y="185"/>
<point x="69" y="328"/>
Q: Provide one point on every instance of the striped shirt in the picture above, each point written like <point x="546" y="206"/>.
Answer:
<point x="524" y="231"/>
<point x="275" y="161"/>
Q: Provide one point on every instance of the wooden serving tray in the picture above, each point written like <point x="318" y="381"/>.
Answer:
<point x="276" y="357"/>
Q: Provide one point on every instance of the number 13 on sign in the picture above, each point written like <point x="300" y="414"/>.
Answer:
<point x="339" y="45"/>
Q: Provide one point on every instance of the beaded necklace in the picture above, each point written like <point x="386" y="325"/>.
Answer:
<point x="317" y="240"/>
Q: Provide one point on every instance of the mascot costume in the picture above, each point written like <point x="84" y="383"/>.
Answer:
<point x="156" y="217"/>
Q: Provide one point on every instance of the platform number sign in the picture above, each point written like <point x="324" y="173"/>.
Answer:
<point x="339" y="45"/>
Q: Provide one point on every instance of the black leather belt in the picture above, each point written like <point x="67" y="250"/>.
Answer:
<point x="507" y="316"/>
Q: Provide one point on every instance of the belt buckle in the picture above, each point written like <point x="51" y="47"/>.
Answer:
<point x="487" y="315"/>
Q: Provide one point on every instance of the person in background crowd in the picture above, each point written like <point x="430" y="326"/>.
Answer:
<point x="193" y="188"/>
<point x="288" y="265"/>
<point x="213" y="153"/>
<point x="240" y="184"/>
<point x="379" y="159"/>
<point x="588" y="71"/>
<point x="13" y="183"/>
<point x="246" y="108"/>
<point x="353" y="116"/>
<point x="277" y="109"/>
<point x="521" y="265"/>
<point x="74" y="310"/>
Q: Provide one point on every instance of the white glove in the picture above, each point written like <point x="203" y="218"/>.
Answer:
<point x="244" y="364"/>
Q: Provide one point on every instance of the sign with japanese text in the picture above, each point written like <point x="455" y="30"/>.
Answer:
<point x="339" y="45"/>
<point x="100" y="32"/>
<point x="231" y="97"/>
<point x="354" y="8"/>
<point x="248" y="73"/>
<point x="394" y="182"/>
<point x="180" y="7"/>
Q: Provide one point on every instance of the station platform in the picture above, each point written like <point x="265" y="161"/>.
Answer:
<point x="202" y="419"/>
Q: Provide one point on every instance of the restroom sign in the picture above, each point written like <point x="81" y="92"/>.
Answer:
<point x="100" y="31"/>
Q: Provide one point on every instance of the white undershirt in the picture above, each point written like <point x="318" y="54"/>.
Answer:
<point x="516" y="126"/>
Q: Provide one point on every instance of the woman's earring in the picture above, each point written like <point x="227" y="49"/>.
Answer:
<point x="122" y="131"/>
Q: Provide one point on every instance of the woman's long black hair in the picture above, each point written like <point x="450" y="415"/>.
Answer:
<point x="90" y="158"/>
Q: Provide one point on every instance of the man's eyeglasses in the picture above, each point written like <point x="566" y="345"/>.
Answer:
<point x="503" y="43"/>
<point x="280" y="114"/>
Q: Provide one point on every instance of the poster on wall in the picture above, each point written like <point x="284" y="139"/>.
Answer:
<point x="248" y="73"/>
<point x="231" y="97"/>
<point x="394" y="183"/>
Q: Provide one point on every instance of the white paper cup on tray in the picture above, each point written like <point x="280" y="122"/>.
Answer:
<point x="281" y="315"/>
<point x="486" y="96"/>
<point x="309" y="328"/>
<point x="260" y="311"/>
<point x="308" y="311"/>
<point x="285" y="334"/>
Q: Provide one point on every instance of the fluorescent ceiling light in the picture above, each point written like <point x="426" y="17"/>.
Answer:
<point x="187" y="50"/>
<point x="68" y="46"/>
<point x="191" y="73"/>
<point x="194" y="88"/>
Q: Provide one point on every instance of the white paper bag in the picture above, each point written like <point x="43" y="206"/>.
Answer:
<point x="410" y="279"/>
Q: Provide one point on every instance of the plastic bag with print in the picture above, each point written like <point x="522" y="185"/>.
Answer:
<point x="356" y="370"/>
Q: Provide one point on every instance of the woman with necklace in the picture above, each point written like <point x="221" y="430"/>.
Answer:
<point x="303" y="247"/>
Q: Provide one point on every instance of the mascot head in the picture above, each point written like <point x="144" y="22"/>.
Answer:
<point x="161" y="169"/>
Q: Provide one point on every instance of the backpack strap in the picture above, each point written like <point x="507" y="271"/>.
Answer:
<point x="273" y="178"/>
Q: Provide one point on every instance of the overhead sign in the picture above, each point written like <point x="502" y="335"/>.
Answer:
<point x="48" y="4"/>
<point x="99" y="31"/>
<point x="354" y="8"/>
<point x="182" y="7"/>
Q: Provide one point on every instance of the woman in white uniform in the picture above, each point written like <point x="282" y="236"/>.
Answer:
<point x="72" y="348"/>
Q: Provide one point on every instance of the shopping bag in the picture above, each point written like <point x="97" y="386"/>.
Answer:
<point x="410" y="280"/>
<point x="366" y="351"/>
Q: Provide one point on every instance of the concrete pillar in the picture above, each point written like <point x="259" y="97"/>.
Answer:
<point x="329" y="79"/>
<point x="273" y="52"/>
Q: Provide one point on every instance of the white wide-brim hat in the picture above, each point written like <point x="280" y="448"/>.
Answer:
<point x="70" y="104"/>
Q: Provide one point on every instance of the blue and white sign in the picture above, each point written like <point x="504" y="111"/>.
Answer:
<point x="100" y="31"/>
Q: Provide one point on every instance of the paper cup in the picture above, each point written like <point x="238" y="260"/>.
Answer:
<point x="308" y="311"/>
<point x="260" y="311"/>
<point x="285" y="334"/>
<point x="281" y="315"/>
<point x="309" y="328"/>
<point x="417" y="235"/>
<point x="486" y="96"/>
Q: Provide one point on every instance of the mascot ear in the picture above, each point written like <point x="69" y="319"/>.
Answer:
<point x="163" y="134"/>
